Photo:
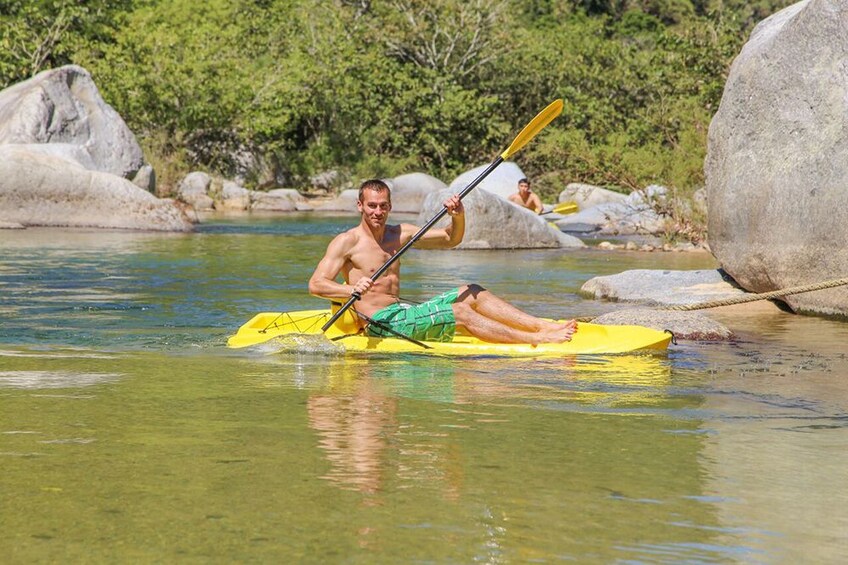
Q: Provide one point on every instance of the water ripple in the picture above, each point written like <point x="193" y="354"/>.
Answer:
<point x="53" y="379"/>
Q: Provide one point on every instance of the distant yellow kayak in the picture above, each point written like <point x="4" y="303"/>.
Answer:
<point x="589" y="338"/>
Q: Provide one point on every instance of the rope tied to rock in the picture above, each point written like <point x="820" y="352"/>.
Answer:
<point x="754" y="297"/>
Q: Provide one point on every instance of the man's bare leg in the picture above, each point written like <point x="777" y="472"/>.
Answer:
<point x="491" y="330"/>
<point x="495" y="308"/>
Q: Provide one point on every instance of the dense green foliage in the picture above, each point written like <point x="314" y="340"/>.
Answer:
<point x="288" y="88"/>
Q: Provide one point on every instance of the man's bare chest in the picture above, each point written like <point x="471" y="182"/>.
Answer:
<point x="370" y="255"/>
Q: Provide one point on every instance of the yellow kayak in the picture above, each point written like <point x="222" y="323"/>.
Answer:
<point x="589" y="339"/>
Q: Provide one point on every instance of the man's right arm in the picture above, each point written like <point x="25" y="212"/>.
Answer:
<point x="323" y="281"/>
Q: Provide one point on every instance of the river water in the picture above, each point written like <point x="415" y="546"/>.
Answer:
<point x="129" y="432"/>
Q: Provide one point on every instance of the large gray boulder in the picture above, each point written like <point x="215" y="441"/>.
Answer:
<point x="344" y="202"/>
<point x="66" y="151"/>
<point x="234" y="197"/>
<point x="587" y="195"/>
<point x="194" y="190"/>
<point x="327" y="180"/>
<point x="146" y="178"/>
<point x="63" y="106"/>
<point x="408" y="194"/>
<point x="777" y="159"/>
<point x="493" y="223"/>
<point x="409" y="191"/>
<point x="632" y="215"/>
<point x="38" y="189"/>
<point x="503" y="181"/>
<point x="279" y="200"/>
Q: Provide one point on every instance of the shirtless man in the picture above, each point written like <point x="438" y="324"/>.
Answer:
<point x="526" y="198"/>
<point x="357" y="253"/>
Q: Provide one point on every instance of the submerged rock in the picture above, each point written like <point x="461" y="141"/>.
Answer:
<point x="684" y="325"/>
<point x="663" y="287"/>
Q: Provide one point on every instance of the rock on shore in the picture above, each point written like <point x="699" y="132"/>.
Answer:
<point x="503" y="181"/>
<point x="63" y="107"/>
<point x="494" y="223"/>
<point x="66" y="157"/>
<point x="411" y="190"/>
<point x="587" y="195"/>
<point x="616" y="214"/>
<point x="44" y="190"/>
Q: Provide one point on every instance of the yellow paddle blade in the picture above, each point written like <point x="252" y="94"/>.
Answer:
<point x="542" y="119"/>
<point x="565" y="208"/>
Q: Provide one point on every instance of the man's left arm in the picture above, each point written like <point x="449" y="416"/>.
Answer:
<point x="441" y="238"/>
<point x="537" y="204"/>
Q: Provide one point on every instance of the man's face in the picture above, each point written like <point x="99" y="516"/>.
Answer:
<point x="524" y="187"/>
<point x="375" y="207"/>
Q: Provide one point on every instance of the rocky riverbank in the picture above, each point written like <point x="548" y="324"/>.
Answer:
<point x="68" y="159"/>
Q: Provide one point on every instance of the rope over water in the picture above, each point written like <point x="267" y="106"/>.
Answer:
<point x="755" y="297"/>
<point x="746" y="298"/>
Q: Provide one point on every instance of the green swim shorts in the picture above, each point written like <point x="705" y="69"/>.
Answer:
<point x="429" y="321"/>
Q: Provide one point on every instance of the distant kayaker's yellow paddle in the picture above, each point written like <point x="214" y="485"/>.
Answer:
<point x="563" y="208"/>
<point x="536" y="125"/>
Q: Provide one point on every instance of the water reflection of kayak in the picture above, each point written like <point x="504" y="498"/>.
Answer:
<point x="590" y="338"/>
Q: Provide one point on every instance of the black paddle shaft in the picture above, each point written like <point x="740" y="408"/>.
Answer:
<point x="356" y="296"/>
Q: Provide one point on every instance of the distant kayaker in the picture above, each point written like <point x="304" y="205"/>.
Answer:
<point x="526" y="197"/>
<point x="357" y="253"/>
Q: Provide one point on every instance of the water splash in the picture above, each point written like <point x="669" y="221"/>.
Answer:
<point x="310" y="344"/>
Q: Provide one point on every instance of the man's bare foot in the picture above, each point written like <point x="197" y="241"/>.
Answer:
<point x="559" y="336"/>
<point x="558" y="326"/>
<point x="565" y="334"/>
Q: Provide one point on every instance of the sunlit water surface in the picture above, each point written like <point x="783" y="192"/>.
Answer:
<point x="129" y="432"/>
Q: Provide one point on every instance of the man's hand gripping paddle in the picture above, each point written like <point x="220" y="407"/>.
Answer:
<point x="536" y="125"/>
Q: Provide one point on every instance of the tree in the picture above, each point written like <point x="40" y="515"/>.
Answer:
<point x="454" y="38"/>
<point x="40" y="34"/>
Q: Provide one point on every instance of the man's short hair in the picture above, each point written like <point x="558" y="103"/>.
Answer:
<point x="376" y="185"/>
<point x="524" y="180"/>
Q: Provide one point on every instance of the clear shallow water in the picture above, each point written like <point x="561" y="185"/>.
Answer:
<point x="129" y="432"/>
